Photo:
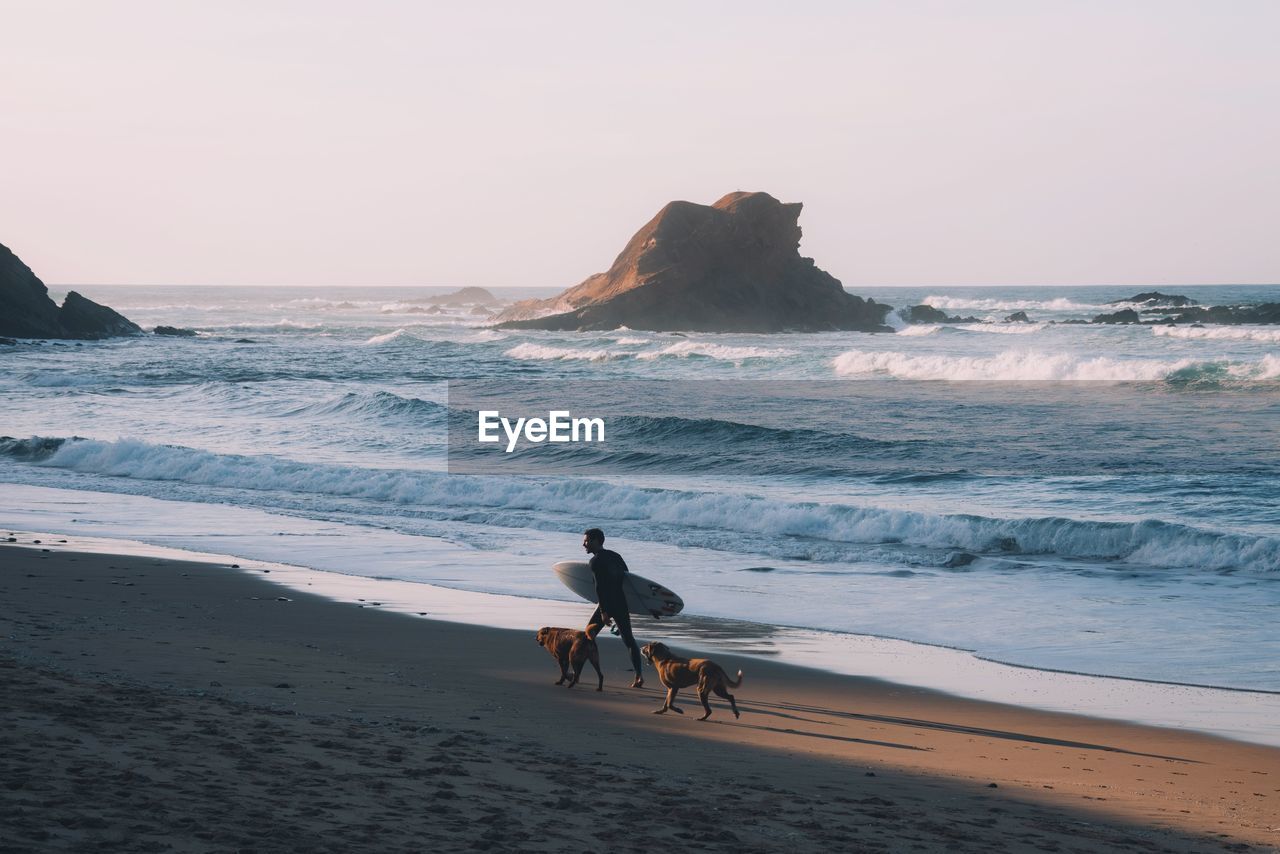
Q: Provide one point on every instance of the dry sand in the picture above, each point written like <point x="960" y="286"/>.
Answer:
<point x="155" y="705"/>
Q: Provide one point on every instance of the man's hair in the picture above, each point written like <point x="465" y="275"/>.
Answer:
<point x="594" y="534"/>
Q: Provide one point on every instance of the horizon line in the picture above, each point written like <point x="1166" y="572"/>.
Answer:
<point x="532" y="287"/>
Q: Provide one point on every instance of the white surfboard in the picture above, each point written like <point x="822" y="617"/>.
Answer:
<point x="643" y="596"/>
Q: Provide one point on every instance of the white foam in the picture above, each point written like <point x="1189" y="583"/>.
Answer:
<point x="286" y="323"/>
<point x="543" y="352"/>
<point x="1036" y="365"/>
<point x="1006" y="328"/>
<point x="710" y="350"/>
<point x="388" y="337"/>
<point x="1056" y="304"/>
<point x="1220" y="333"/>
<point x="1266" y="368"/>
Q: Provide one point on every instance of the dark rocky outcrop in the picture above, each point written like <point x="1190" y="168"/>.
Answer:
<point x="734" y="266"/>
<point x="1229" y="315"/>
<point x="84" y="318"/>
<point x="25" y="308"/>
<point x="1267" y="312"/>
<point x="174" y="331"/>
<point x="926" y="313"/>
<point x="1018" y="317"/>
<point x="1156" y="299"/>
<point x="26" y="311"/>
<point x="1126" y="315"/>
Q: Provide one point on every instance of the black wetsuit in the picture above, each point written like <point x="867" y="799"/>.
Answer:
<point x="609" y="570"/>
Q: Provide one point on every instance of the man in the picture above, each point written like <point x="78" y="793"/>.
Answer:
<point x="610" y="571"/>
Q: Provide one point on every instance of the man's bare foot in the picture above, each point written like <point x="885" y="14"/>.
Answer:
<point x="639" y="683"/>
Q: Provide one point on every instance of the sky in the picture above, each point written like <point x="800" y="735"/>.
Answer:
<point x="511" y="144"/>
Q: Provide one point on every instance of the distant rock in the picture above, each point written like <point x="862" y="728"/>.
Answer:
<point x="175" y="331"/>
<point x="1154" y="299"/>
<point x="1227" y="315"/>
<point x="734" y="266"/>
<point x="481" y="311"/>
<point x="1018" y="317"/>
<point x="926" y="313"/>
<point x="461" y="297"/>
<point x="26" y="311"/>
<point x="1126" y="315"/>
<point x="1267" y="313"/>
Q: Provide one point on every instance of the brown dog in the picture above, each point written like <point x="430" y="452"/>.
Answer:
<point x="675" y="673"/>
<point x="572" y="647"/>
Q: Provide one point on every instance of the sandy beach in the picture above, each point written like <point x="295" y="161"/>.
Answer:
<point x="156" y="705"/>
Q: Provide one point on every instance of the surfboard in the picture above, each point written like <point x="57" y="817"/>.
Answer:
<point x="643" y="596"/>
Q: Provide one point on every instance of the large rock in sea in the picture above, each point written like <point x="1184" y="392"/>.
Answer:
<point x="25" y="308"/>
<point x="925" y="313"/>
<point x="734" y="266"/>
<point x="27" y="312"/>
<point x="83" y="318"/>
<point x="1155" y="299"/>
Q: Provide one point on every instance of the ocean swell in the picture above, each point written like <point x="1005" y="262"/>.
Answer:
<point x="820" y="531"/>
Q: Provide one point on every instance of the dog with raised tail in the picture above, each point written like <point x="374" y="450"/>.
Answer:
<point x="675" y="673"/>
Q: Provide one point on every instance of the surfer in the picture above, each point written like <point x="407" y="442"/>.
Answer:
<point x="609" y="570"/>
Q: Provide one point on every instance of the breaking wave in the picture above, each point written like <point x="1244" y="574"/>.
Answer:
<point x="725" y="352"/>
<point x="543" y="352"/>
<point x="922" y="329"/>
<point x="388" y="337"/>
<point x="1034" y="365"/>
<point x="977" y="304"/>
<point x="678" y="350"/>
<point x="1269" y="335"/>
<point x="717" y="520"/>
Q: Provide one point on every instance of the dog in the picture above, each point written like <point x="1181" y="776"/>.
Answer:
<point x="570" y="647"/>
<point x="675" y="673"/>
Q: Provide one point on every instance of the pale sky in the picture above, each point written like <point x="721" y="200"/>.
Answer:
<point x="1020" y="142"/>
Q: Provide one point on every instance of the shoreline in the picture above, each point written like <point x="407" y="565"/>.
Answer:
<point x="817" y="761"/>
<point x="1248" y="716"/>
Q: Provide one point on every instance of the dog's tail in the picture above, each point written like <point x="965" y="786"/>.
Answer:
<point x="738" y="683"/>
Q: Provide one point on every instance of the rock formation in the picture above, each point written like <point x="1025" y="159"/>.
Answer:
<point x="1267" y="312"/>
<point x="1155" y="299"/>
<point x="1229" y="315"/>
<point x="460" y="297"/>
<point x="27" y="312"/>
<point x="1125" y="315"/>
<point x="84" y="318"/>
<point x="734" y="266"/>
<point x="925" y="313"/>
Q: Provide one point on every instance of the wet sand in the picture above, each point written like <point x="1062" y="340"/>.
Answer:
<point x="153" y="705"/>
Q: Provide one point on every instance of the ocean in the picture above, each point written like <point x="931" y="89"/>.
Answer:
<point x="1085" y="498"/>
